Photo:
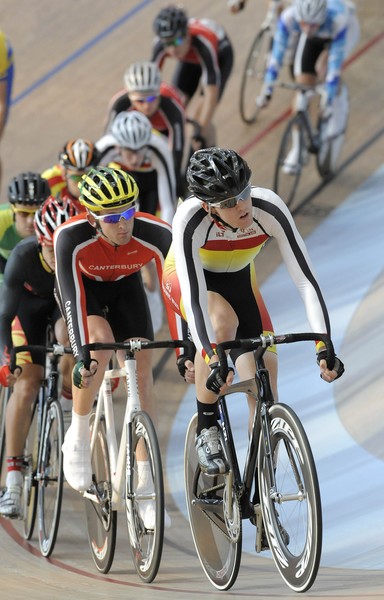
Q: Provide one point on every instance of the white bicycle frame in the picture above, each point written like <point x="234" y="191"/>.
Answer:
<point x="119" y="457"/>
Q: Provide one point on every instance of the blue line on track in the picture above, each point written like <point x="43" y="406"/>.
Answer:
<point x="72" y="57"/>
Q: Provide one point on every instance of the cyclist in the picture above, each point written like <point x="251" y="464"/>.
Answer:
<point x="327" y="31"/>
<point x="27" y="307"/>
<point x="98" y="260"/>
<point x="204" y="56"/>
<point x="6" y="82"/>
<point x="75" y="158"/>
<point x="209" y="277"/>
<point x="137" y="148"/>
<point x="159" y="102"/>
<point x="26" y="192"/>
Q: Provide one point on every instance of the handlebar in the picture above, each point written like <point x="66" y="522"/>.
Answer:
<point x="135" y="346"/>
<point x="265" y="341"/>
<point x="55" y="349"/>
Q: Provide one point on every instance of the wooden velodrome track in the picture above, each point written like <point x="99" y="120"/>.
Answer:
<point x="70" y="59"/>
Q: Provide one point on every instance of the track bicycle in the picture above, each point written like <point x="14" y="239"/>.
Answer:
<point x="252" y="79"/>
<point x="278" y="491"/>
<point x="321" y="139"/>
<point x="116" y="474"/>
<point x="43" y="462"/>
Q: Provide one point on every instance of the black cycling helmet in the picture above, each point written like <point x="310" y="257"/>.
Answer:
<point x="28" y="188"/>
<point x="215" y="174"/>
<point x="171" y="22"/>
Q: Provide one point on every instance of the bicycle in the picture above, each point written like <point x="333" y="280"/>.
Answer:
<point x="279" y="464"/>
<point x="252" y="79"/>
<point x="323" y="140"/>
<point x="43" y="462"/>
<point x="116" y="477"/>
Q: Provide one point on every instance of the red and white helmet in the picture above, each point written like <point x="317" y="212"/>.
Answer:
<point x="51" y="214"/>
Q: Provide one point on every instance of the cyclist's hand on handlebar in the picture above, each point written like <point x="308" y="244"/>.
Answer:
<point x="7" y="378"/>
<point x="186" y="368"/>
<point x="82" y="377"/>
<point x="325" y="373"/>
<point x="217" y="379"/>
<point x="264" y="97"/>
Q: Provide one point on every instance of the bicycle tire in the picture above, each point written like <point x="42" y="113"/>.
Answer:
<point x="253" y="75"/>
<point x="4" y="396"/>
<point x="330" y="148"/>
<point x="29" y="491"/>
<point x="146" y="544"/>
<point x="293" y="528"/>
<point x="50" y="478"/>
<point x="219" y="555"/>
<point x="101" y="519"/>
<point x="286" y="185"/>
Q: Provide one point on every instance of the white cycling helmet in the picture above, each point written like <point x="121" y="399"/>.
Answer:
<point x="143" y="77"/>
<point x="311" y="11"/>
<point x="131" y="129"/>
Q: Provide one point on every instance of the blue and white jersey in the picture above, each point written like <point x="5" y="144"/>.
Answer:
<point x="333" y="30"/>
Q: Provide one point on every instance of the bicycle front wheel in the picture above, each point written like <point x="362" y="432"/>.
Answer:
<point x="101" y="519"/>
<point x="292" y="513"/>
<point x="218" y="544"/>
<point x="145" y="499"/>
<point x="253" y="75"/>
<point x="286" y="179"/>
<point x="50" y="479"/>
<point x="29" y="492"/>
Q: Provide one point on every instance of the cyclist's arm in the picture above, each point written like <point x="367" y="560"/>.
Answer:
<point x="174" y="117"/>
<point x="285" y="26"/>
<point x="162" y="162"/>
<point x="278" y="222"/>
<point x="118" y="103"/>
<point x="336" y="56"/>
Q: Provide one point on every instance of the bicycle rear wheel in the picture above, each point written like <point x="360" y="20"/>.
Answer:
<point x="292" y="517"/>
<point x="50" y="479"/>
<point x="286" y="184"/>
<point x="218" y="544"/>
<point x="253" y="75"/>
<point x="146" y="543"/>
<point x="29" y="492"/>
<point x="101" y="519"/>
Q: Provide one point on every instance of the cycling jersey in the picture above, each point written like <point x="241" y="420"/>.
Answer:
<point x="168" y="119"/>
<point x="210" y="49"/>
<point x="83" y="254"/>
<point x="333" y="33"/>
<point x="58" y="185"/>
<point x="209" y="256"/>
<point x="8" y="234"/>
<point x="28" y="295"/>
<point x="6" y="70"/>
<point x="157" y="159"/>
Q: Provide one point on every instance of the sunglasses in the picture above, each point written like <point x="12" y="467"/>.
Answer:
<point x="177" y="41"/>
<point x="114" y="218"/>
<point x="75" y="178"/>
<point x="25" y="211"/>
<point x="146" y="100"/>
<point x="232" y="202"/>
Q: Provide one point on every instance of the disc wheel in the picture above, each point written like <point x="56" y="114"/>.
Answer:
<point x="216" y="528"/>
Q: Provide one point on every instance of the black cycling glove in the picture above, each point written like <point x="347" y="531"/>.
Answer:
<point x="338" y="366"/>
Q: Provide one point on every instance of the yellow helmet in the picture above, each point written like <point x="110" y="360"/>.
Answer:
<point x="103" y="188"/>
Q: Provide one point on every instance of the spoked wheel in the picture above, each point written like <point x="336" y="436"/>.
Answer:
<point x="215" y="519"/>
<point x="29" y="492"/>
<point x="50" y="479"/>
<point x="145" y="499"/>
<point x="331" y="139"/>
<point x="292" y="516"/>
<point x="4" y="395"/>
<point x="253" y="75"/>
<point x="286" y="183"/>
<point x="101" y="519"/>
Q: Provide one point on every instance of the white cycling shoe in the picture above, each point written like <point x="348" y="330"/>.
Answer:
<point x="77" y="462"/>
<point x="147" y="510"/>
<point x="10" y="503"/>
<point x="291" y="164"/>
